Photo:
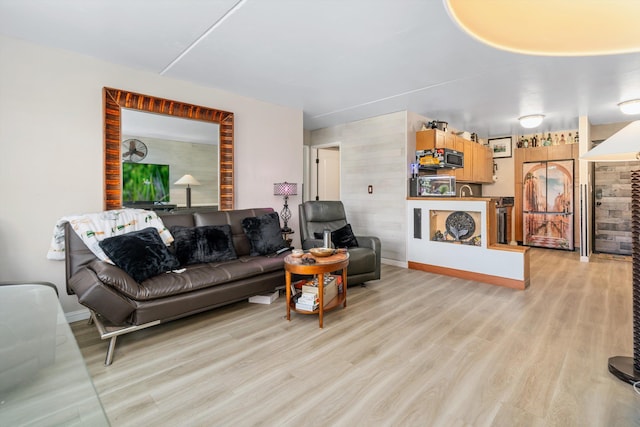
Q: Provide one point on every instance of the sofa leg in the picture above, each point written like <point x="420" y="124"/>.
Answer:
<point x="111" y="333"/>
<point x="110" y="350"/>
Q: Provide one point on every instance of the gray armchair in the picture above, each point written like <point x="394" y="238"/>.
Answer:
<point x="316" y="216"/>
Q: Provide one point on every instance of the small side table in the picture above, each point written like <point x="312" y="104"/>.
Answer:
<point x="322" y="266"/>
<point x="285" y="236"/>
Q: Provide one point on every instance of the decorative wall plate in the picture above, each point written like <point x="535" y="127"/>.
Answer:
<point x="460" y="225"/>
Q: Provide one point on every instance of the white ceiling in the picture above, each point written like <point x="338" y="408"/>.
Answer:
<point x="337" y="60"/>
<point x="141" y="124"/>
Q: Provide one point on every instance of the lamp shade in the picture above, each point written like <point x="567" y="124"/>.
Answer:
<point x="622" y="146"/>
<point x="285" y="189"/>
<point x="187" y="180"/>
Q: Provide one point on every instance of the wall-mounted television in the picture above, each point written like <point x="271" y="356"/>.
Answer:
<point x="144" y="183"/>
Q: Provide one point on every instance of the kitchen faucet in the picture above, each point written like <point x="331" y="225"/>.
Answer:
<point x="468" y="188"/>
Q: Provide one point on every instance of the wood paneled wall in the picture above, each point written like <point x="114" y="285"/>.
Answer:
<point x="373" y="152"/>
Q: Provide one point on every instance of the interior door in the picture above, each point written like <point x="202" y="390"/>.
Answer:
<point x="328" y="174"/>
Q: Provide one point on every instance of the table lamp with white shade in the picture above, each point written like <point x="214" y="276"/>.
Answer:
<point x="187" y="180"/>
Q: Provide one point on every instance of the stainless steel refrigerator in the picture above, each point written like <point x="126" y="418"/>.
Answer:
<point x="547" y="203"/>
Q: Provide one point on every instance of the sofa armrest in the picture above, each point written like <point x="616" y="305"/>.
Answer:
<point x="117" y="278"/>
<point x="99" y="297"/>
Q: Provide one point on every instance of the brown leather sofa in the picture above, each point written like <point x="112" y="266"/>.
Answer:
<point x="120" y="305"/>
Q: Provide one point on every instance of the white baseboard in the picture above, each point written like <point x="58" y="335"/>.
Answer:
<point x="402" y="264"/>
<point x="75" y="316"/>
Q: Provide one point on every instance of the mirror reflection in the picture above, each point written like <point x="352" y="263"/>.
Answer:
<point x="159" y="150"/>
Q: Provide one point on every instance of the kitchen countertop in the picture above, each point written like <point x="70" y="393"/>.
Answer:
<point x="455" y="198"/>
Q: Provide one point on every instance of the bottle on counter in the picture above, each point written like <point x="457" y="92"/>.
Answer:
<point x="562" y="140"/>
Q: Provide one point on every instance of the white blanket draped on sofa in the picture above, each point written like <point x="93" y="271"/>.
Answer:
<point x="94" y="227"/>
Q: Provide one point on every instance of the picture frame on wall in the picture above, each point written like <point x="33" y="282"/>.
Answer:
<point x="501" y="147"/>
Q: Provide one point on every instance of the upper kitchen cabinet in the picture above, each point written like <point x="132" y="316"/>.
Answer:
<point x="478" y="159"/>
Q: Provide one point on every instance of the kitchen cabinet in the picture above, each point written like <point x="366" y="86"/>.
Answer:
<point x="428" y="139"/>
<point x="482" y="170"/>
<point x="469" y="161"/>
<point x="478" y="159"/>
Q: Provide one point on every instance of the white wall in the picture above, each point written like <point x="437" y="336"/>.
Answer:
<point x="504" y="173"/>
<point x="51" y="134"/>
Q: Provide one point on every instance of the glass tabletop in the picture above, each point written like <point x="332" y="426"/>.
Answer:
<point x="43" y="378"/>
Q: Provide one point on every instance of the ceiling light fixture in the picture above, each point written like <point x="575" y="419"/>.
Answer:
<point x="606" y="27"/>
<point x="531" y="121"/>
<point x="631" y="106"/>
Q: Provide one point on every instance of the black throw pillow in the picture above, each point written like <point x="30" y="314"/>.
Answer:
<point x="264" y="233"/>
<point x="344" y="238"/>
<point x="141" y="254"/>
<point x="207" y="243"/>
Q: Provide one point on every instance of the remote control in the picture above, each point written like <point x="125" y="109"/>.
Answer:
<point x="279" y="251"/>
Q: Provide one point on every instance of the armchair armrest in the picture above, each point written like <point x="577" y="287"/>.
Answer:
<point x="363" y="241"/>
<point x="369" y="242"/>
<point x="312" y="243"/>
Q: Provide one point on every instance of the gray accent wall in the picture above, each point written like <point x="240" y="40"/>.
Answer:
<point x="377" y="152"/>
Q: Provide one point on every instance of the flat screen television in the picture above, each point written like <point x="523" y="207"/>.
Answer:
<point x="144" y="183"/>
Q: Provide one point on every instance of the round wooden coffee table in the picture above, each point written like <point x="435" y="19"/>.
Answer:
<point x="324" y="265"/>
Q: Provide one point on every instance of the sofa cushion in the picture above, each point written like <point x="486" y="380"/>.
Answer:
<point x="192" y="278"/>
<point x="207" y="243"/>
<point x="341" y="238"/>
<point x="141" y="254"/>
<point x="264" y="233"/>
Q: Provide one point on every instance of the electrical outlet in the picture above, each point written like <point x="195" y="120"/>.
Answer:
<point x="370" y="189"/>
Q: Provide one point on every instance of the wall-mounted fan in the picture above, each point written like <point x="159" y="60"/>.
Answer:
<point x="133" y="150"/>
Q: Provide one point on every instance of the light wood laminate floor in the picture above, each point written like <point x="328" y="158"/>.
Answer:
<point x="413" y="349"/>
